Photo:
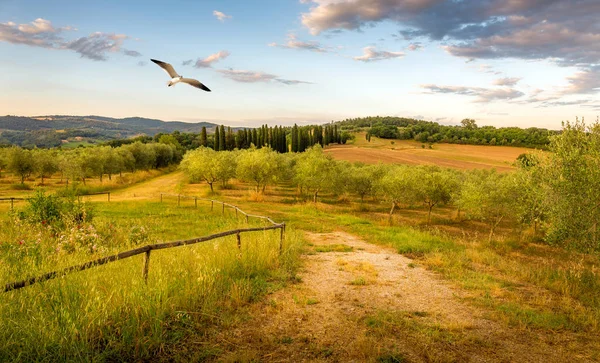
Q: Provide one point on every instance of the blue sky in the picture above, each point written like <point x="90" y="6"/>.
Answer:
<point x="527" y="63"/>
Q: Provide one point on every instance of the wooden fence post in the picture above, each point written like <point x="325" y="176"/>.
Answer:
<point x="212" y="205"/>
<point x="109" y="196"/>
<point x="223" y="207"/>
<point x="178" y="200"/>
<point x="196" y="202"/>
<point x="246" y="218"/>
<point x="12" y="204"/>
<point x="239" y="241"/>
<point x="146" y="266"/>
<point x="161" y="197"/>
<point x="281" y="239"/>
<point x="236" y="212"/>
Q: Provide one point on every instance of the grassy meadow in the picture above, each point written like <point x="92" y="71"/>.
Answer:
<point x="108" y="313"/>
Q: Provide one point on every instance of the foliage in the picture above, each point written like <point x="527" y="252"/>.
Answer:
<point x="315" y="171"/>
<point x="21" y="162"/>
<point x="572" y="176"/>
<point x="488" y="196"/>
<point x="259" y="167"/>
<point x="201" y="165"/>
<point x="362" y="179"/>
<point x="397" y="186"/>
<point x="54" y="210"/>
<point x="467" y="133"/>
<point x="433" y="186"/>
<point x="3" y="160"/>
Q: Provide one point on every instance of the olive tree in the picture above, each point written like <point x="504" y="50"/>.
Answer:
<point x="488" y="196"/>
<point x="362" y="179"/>
<point x="315" y="171"/>
<point x="201" y="165"/>
<point x="69" y="166"/>
<point x="21" y="162"/>
<point x="3" y="160"/>
<point x="259" y="167"/>
<point x="531" y="190"/>
<point x="113" y="162"/>
<point x="432" y="186"/>
<point x="46" y="163"/>
<point x="572" y="175"/>
<point x="227" y="165"/>
<point x="397" y="186"/>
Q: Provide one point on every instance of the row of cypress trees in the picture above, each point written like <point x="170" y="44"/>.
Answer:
<point x="279" y="138"/>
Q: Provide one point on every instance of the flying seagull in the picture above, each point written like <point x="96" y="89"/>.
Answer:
<point x="176" y="78"/>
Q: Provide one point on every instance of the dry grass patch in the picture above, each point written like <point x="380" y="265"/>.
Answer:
<point x="334" y="248"/>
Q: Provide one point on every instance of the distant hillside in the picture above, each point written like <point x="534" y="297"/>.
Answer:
<point x="401" y="128"/>
<point x="50" y="131"/>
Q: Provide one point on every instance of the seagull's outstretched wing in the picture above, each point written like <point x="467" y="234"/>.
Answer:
<point x="167" y="67"/>
<point x="195" y="83"/>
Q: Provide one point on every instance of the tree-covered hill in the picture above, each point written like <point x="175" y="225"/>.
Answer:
<point x="467" y="133"/>
<point x="50" y="131"/>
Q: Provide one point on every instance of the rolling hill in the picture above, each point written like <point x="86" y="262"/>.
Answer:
<point x="49" y="131"/>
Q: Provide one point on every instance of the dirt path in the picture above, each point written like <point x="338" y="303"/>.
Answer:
<point x="149" y="189"/>
<point x="372" y="304"/>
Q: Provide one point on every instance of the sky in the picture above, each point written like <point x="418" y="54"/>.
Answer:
<point x="526" y="63"/>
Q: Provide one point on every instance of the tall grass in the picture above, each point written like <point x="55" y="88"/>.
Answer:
<point x="108" y="312"/>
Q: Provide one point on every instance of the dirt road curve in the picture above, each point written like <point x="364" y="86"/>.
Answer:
<point x="372" y="304"/>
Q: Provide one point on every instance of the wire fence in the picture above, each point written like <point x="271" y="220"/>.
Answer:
<point x="159" y="246"/>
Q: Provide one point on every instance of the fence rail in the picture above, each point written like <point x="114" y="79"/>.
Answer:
<point x="196" y="199"/>
<point x="158" y="246"/>
<point x="12" y="199"/>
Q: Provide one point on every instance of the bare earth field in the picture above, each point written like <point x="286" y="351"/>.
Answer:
<point x="412" y="153"/>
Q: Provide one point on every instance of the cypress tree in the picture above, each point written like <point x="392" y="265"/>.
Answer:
<point x="255" y="137"/>
<point x="217" y="147"/>
<point x="284" y="146"/>
<point x="222" y="144"/>
<point x="295" y="138"/>
<point x="335" y="133"/>
<point x="203" y="137"/>
<point x="276" y="143"/>
<point x="229" y="139"/>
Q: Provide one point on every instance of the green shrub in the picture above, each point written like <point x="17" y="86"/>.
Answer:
<point x="53" y="209"/>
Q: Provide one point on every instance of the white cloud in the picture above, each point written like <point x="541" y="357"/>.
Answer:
<point x="481" y="94"/>
<point x="294" y="43"/>
<point x="370" y="54"/>
<point x="208" y="61"/>
<point x="221" y="16"/>
<point x="256" y="77"/>
<point x="507" y="81"/>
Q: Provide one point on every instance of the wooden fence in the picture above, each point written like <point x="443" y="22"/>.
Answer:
<point x="212" y="205"/>
<point x="12" y="199"/>
<point x="158" y="246"/>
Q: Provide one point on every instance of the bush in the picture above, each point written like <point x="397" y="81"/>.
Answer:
<point x="52" y="209"/>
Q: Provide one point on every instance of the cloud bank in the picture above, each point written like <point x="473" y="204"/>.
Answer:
<point x="564" y="32"/>
<point x="41" y="33"/>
